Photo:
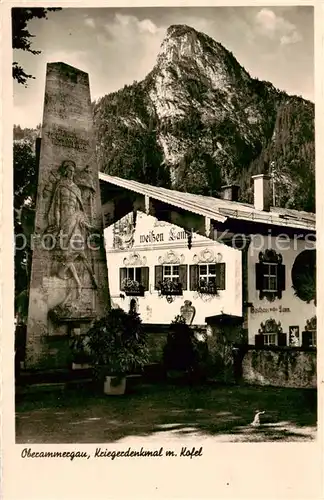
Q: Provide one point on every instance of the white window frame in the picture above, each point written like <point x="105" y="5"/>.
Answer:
<point x="268" y="274"/>
<point x="313" y="338"/>
<point x="208" y="276"/>
<point x="173" y="276"/>
<point x="267" y="340"/>
<point x="134" y="278"/>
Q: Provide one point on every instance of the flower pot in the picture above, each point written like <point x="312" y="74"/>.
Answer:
<point x="80" y="366"/>
<point x="114" y="385"/>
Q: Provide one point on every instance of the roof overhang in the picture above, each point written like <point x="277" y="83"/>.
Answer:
<point x="163" y="195"/>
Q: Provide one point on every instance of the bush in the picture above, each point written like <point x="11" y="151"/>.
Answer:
<point x="118" y="343"/>
<point x="183" y="351"/>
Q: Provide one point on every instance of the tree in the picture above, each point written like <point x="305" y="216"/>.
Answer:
<point x="21" y="37"/>
<point x="25" y="177"/>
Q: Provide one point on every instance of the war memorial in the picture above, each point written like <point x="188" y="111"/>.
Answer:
<point x="69" y="283"/>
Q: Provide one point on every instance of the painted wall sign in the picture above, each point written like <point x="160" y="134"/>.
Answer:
<point x="173" y="234"/>
<point x="151" y="237"/>
<point x="280" y="309"/>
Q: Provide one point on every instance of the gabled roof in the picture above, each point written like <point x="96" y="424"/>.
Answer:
<point x="215" y="208"/>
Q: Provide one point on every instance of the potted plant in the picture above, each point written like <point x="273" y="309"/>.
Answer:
<point x="132" y="287"/>
<point x="169" y="287"/>
<point x="208" y="287"/>
<point x="118" y="346"/>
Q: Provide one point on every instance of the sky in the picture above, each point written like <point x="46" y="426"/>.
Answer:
<point x="118" y="46"/>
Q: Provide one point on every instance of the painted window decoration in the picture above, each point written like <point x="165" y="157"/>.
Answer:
<point x="124" y="232"/>
<point x="134" y="280"/>
<point x="303" y="276"/>
<point x="207" y="278"/>
<point x="270" y="275"/>
<point x="270" y="334"/>
<point x="171" y="279"/>
<point x="294" y="337"/>
<point x="310" y="333"/>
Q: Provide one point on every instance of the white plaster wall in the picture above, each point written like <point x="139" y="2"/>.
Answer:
<point x="155" y="309"/>
<point x="299" y="311"/>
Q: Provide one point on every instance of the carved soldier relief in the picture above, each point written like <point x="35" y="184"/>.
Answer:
<point x="69" y="231"/>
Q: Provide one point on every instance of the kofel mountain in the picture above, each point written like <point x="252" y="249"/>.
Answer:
<point x="199" y="121"/>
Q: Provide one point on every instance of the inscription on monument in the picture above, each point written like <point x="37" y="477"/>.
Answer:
<point x="61" y="137"/>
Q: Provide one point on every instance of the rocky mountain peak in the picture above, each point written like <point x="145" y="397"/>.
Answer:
<point x="188" y="56"/>
<point x="199" y="121"/>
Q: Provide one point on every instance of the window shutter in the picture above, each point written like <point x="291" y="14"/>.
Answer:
<point x="220" y="276"/>
<point x="122" y="276"/>
<point x="259" y="276"/>
<point x="281" y="279"/>
<point x="194" y="276"/>
<point x="282" y="339"/>
<point x="145" y="273"/>
<point x="158" y="276"/>
<point x="259" y="340"/>
<point x="306" y="339"/>
<point x="183" y="276"/>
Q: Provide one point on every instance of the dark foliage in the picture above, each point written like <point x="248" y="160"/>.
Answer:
<point x="183" y="351"/>
<point x="303" y="275"/>
<point x="21" y="37"/>
<point x="25" y="182"/>
<point x="118" y="343"/>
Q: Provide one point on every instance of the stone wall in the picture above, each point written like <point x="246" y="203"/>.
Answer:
<point x="282" y="367"/>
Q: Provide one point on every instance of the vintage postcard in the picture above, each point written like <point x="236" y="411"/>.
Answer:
<point x="160" y="232"/>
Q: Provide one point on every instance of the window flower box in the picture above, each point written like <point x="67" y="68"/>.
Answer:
<point x="169" y="287"/>
<point x="207" y="287"/>
<point x="133" y="288"/>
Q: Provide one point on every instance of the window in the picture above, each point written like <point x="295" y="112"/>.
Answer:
<point x="210" y="277"/>
<point x="270" y="339"/>
<point x="134" y="280"/>
<point x="171" y="272"/>
<point x="270" y="275"/>
<point x="310" y="334"/>
<point x="207" y="272"/>
<point x="177" y="273"/>
<point x="133" y="273"/>
<point x="309" y="338"/>
<point x="312" y="338"/>
<point x="270" y="333"/>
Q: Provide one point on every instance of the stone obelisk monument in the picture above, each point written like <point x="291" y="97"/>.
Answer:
<point x="69" y="282"/>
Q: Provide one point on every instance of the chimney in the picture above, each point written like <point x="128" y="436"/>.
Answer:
<point x="262" y="192"/>
<point x="230" y="192"/>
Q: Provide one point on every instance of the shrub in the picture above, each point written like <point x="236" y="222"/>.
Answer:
<point x="118" y="343"/>
<point x="183" y="351"/>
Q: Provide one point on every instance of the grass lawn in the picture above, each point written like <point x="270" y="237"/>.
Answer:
<point x="80" y="415"/>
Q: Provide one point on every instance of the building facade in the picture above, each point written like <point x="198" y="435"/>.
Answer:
<point x="151" y="267"/>
<point x="281" y="291"/>
<point x="262" y="272"/>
